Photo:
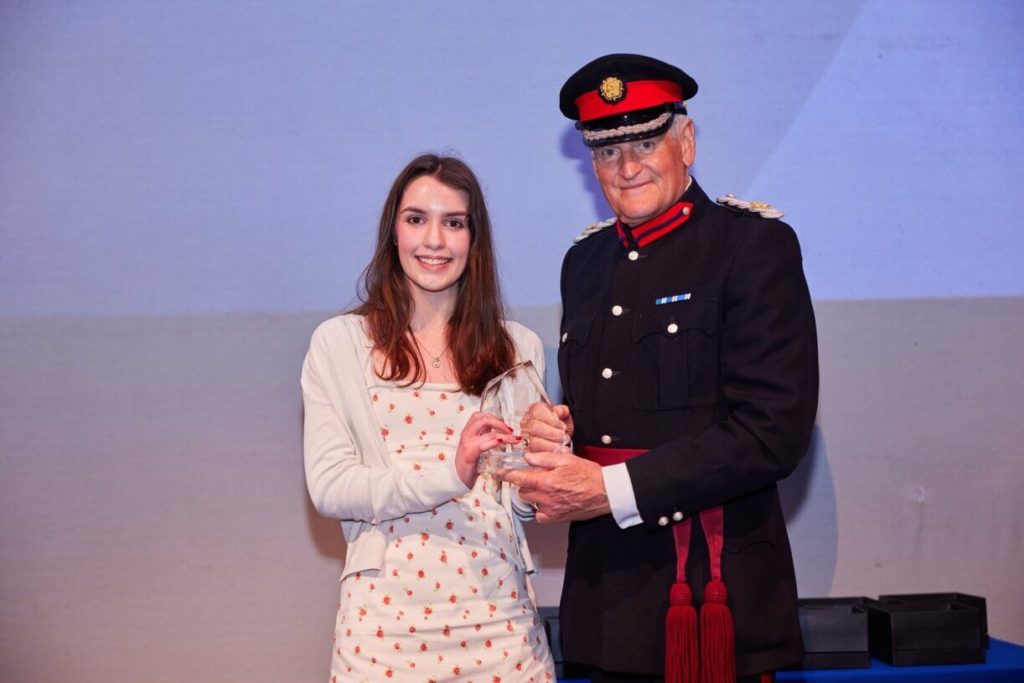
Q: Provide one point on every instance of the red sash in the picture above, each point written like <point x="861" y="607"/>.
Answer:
<point x="715" y="662"/>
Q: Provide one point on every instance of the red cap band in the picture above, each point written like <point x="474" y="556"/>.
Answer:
<point x="639" y="95"/>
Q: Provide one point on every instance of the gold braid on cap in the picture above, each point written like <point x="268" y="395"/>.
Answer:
<point x="592" y="135"/>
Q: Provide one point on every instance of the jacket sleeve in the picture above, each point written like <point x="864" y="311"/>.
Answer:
<point x="338" y="417"/>
<point x="768" y="381"/>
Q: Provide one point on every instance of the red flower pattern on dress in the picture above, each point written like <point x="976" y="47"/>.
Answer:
<point x="464" y="601"/>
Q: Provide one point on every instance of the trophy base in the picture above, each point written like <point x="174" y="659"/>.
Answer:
<point x="492" y="461"/>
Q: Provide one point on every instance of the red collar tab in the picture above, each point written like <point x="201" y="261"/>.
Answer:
<point x="618" y="97"/>
<point x="657" y="227"/>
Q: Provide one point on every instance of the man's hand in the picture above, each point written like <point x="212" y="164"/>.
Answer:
<point x="568" y="488"/>
<point x="546" y="428"/>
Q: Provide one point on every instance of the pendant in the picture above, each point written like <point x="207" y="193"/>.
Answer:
<point x="435" y="363"/>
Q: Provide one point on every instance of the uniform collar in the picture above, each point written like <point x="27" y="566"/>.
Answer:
<point x="671" y="219"/>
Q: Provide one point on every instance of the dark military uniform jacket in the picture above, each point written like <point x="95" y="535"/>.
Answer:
<point x="700" y="347"/>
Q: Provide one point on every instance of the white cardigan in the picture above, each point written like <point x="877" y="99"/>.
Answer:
<point x="348" y="469"/>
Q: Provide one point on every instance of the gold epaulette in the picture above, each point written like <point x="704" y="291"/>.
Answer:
<point x="593" y="229"/>
<point x="763" y="209"/>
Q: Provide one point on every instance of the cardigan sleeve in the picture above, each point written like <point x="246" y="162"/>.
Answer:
<point x="347" y="474"/>
<point x="528" y="345"/>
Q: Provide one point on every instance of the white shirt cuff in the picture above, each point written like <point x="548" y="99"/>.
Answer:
<point x="619" y="488"/>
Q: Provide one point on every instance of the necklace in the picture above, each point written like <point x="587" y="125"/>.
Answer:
<point x="435" y="360"/>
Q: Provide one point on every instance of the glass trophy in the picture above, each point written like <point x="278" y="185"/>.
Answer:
<point x="508" y="396"/>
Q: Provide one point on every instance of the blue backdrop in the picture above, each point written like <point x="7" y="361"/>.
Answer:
<point x="169" y="158"/>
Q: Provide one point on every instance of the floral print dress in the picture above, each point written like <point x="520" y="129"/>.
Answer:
<point x="451" y="601"/>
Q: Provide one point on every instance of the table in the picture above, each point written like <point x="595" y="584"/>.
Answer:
<point x="1004" y="663"/>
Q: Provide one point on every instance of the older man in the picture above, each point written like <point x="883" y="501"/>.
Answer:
<point x="688" y="359"/>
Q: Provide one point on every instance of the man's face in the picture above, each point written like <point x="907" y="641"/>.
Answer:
<point x="643" y="178"/>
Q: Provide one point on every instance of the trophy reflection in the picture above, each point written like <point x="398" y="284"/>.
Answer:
<point x="508" y="396"/>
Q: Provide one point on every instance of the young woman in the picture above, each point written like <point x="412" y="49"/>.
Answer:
<point x="435" y="580"/>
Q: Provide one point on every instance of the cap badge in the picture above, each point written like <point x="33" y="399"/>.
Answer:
<point x="612" y="89"/>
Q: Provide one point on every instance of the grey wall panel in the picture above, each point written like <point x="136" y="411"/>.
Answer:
<point x="154" y="523"/>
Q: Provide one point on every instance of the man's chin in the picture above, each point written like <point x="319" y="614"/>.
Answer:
<point x="640" y="210"/>
<point x="637" y="217"/>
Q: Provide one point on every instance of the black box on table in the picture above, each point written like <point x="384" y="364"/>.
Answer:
<point x="975" y="600"/>
<point x="835" y="633"/>
<point x="918" y="632"/>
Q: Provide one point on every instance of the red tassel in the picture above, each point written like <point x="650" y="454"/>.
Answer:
<point x="681" y="636"/>
<point x="717" y="643"/>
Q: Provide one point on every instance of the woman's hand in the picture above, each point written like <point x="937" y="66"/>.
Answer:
<point x="481" y="433"/>
<point x="546" y="428"/>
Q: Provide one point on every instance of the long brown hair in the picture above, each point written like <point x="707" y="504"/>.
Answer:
<point x="480" y="346"/>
